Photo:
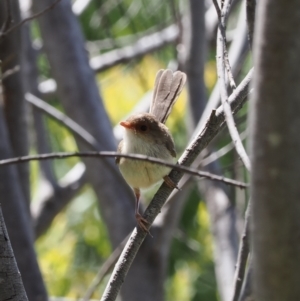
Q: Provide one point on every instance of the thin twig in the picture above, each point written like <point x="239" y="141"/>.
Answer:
<point x="105" y="154"/>
<point x="10" y="72"/>
<point x="242" y="257"/>
<point x="221" y="152"/>
<point x="8" y="18"/>
<point x="32" y="17"/>
<point x="222" y="15"/>
<point x="250" y="11"/>
<point x="224" y="96"/>
<point x="205" y="136"/>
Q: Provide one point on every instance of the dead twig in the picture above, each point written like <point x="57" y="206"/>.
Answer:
<point x="242" y="258"/>
<point x="32" y="17"/>
<point x="222" y="15"/>
<point x="221" y="61"/>
<point x="105" y="154"/>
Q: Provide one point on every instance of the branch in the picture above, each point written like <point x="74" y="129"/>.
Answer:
<point x="224" y="96"/>
<point x="109" y="154"/>
<point x="220" y="152"/>
<point x="44" y="211"/>
<point x="69" y="123"/>
<point x="222" y="15"/>
<point x="11" y="284"/>
<point x="138" y="49"/>
<point x="196" y="146"/>
<point x="9" y="72"/>
<point x="32" y="17"/>
<point x="250" y="11"/>
<point x="242" y="257"/>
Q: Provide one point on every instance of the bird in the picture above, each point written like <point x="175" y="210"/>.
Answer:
<point x="147" y="134"/>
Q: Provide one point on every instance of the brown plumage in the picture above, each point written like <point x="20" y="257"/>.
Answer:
<point x="146" y="134"/>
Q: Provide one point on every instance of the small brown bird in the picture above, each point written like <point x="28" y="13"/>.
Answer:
<point x="146" y="134"/>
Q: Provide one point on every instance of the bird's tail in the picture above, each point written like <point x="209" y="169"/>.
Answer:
<point x="167" y="87"/>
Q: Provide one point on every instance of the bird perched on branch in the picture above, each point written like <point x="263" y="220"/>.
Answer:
<point x="146" y="134"/>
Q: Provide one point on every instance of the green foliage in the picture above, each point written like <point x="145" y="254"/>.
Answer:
<point x="191" y="269"/>
<point x="74" y="247"/>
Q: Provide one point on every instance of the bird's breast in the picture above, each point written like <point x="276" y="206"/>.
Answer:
<point x="142" y="174"/>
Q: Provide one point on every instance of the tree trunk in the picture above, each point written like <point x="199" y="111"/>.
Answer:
<point x="15" y="110"/>
<point x="11" y="285"/>
<point x="275" y="122"/>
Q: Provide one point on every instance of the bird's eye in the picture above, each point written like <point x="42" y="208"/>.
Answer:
<point x="143" y="128"/>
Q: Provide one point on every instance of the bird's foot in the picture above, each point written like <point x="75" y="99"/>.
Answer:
<point x="170" y="183"/>
<point x="143" y="224"/>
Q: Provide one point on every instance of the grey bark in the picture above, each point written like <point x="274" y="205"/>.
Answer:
<point x="11" y="285"/>
<point x="221" y="211"/>
<point x="14" y="181"/>
<point x="18" y="222"/>
<point x="51" y="204"/>
<point x="14" y="104"/>
<point x="275" y="123"/>
<point x="247" y="289"/>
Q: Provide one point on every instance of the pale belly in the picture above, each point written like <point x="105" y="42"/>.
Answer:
<point x="140" y="174"/>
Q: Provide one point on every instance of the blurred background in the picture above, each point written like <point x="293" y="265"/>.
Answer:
<point x="69" y="76"/>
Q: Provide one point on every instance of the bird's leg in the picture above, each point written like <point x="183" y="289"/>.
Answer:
<point x="170" y="183"/>
<point x="140" y="220"/>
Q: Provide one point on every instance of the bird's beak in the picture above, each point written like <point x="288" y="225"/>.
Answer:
<point x="126" y="124"/>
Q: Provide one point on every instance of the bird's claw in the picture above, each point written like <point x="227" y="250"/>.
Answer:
<point x="143" y="223"/>
<point x="170" y="183"/>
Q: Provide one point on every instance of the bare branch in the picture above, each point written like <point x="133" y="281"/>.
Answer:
<point x="222" y="15"/>
<point x="141" y="47"/>
<point x="34" y="16"/>
<point x="109" y="154"/>
<point x="77" y="130"/>
<point x="250" y="10"/>
<point x="242" y="257"/>
<point x="196" y="146"/>
<point x="10" y="72"/>
<point x="11" y="285"/>
<point x="221" y="47"/>
<point x="44" y="212"/>
<point x="227" y="110"/>
<point x="221" y="152"/>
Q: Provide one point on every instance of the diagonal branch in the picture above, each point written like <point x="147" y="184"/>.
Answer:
<point x="11" y="285"/>
<point x="70" y="124"/>
<point x="221" y="49"/>
<point x="250" y="10"/>
<point x="242" y="257"/>
<point x="141" y="47"/>
<point x="32" y="17"/>
<point x="205" y="136"/>
<point x="222" y="15"/>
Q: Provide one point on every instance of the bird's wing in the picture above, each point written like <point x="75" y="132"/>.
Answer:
<point x="168" y="86"/>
